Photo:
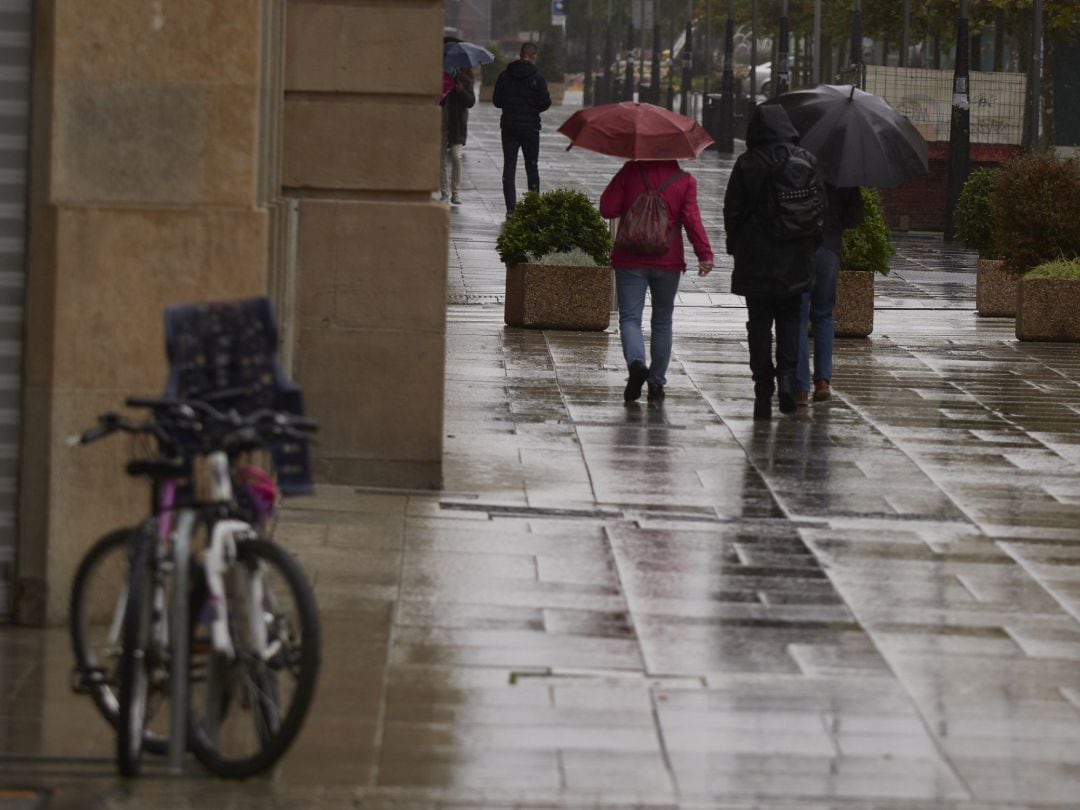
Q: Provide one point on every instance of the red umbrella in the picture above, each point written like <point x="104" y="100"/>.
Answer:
<point x="636" y="131"/>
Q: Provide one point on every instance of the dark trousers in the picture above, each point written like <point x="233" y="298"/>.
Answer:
<point x="764" y="312"/>
<point x="529" y="144"/>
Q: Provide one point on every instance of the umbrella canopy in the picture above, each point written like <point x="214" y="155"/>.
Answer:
<point x="636" y="131"/>
<point x="858" y="139"/>
<point x="464" y="55"/>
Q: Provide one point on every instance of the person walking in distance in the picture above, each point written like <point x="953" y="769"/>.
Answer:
<point x="845" y="210"/>
<point x="648" y="257"/>
<point x="455" y="126"/>
<point x="774" y="209"/>
<point x="522" y="94"/>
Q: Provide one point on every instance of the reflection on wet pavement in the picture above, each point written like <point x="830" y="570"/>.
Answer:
<point x="872" y="604"/>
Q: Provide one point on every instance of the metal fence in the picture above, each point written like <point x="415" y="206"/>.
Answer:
<point x="925" y="96"/>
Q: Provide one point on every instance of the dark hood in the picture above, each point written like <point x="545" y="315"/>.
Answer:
<point x="522" y="69"/>
<point x="770" y="124"/>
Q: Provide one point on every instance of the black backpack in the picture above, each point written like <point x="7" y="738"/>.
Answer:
<point x="793" y="205"/>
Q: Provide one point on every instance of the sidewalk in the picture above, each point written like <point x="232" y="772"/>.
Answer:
<point x="874" y="606"/>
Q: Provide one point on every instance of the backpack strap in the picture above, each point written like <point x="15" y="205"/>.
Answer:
<point x="678" y="173"/>
<point x="644" y="177"/>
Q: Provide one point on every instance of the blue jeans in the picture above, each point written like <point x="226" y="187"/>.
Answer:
<point x="631" y="286"/>
<point x="817" y="306"/>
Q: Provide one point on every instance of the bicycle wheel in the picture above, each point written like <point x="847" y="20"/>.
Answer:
<point x="139" y="660"/>
<point x="95" y="619"/>
<point x="247" y="711"/>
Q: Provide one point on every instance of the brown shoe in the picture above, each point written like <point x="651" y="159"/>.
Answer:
<point x="822" y="391"/>
<point x="802" y="398"/>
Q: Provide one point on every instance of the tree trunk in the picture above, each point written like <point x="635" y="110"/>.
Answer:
<point x="999" y="40"/>
<point x="1049" y="130"/>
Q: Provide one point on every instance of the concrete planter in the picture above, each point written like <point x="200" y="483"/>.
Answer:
<point x="995" y="289"/>
<point x="540" y="296"/>
<point x="487" y="92"/>
<point x="854" y="311"/>
<point x="1048" y="309"/>
<point x="558" y="93"/>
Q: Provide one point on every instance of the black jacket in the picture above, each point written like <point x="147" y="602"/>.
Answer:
<point x="455" y="109"/>
<point x="846" y="210"/>
<point x="522" y="94"/>
<point x="764" y="266"/>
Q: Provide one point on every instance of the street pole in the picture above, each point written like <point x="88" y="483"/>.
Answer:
<point x="905" y="34"/>
<point x="753" y="52"/>
<point x="856" y="38"/>
<point x="656" y="47"/>
<point x="1036" y="74"/>
<point x="708" y="44"/>
<point x="671" y="57"/>
<point x="628" y="90"/>
<point x="725" y="143"/>
<point x="588" y="57"/>
<point x="782" y="81"/>
<point x="608" y="56"/>
<point x="815" y="69"/>
<point x="687" y="63"/>
<point x="960" y="129"/>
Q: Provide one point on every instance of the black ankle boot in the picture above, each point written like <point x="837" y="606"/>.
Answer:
<point x="763" y="407"/>
<point x="656" y="392"/>
<point x="786" y="394"/>
<point x="639" y="372"/>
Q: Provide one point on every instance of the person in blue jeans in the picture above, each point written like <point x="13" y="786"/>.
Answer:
<point x="658" y="274"/>
<point x="845" y="211"/>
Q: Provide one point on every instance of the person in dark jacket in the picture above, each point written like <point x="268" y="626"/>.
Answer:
<point x="455" y="128"/>
<point x="771" y="273"/>
<point x="845" y="211"/>
<point x="522" y="94"/>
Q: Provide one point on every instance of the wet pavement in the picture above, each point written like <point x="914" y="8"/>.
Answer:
<point x="873" y="605"/>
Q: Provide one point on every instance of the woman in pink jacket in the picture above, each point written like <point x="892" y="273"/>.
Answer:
<point x="659" y="274"/>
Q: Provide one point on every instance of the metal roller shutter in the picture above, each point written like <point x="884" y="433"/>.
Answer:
<point x="15" y="42"/>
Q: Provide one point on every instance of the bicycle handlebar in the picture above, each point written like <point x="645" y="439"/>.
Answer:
<point x="196" y="416"/>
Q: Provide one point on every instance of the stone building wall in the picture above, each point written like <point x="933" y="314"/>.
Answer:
<point x="361" y="157"/>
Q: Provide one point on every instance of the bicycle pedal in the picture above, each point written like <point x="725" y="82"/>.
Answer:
<point x="84" y="681"/>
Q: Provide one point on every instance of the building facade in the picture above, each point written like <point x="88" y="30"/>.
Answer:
<point x="201" y="150"/>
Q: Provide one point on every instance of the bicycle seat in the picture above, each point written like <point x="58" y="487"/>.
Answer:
<point x="157" y="468"/>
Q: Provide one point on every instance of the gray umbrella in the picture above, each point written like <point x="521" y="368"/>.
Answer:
<point x="857" y="137"/>
<point x="465" y="55"/>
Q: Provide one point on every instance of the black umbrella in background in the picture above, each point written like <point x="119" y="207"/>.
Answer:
<point x="857" y="137"/>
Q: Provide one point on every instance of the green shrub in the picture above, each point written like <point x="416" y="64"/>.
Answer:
<point x="552" y="61"/>
<point x="1036" y="210"/>
<point x="490" y="72"/>
<point x="1062" y="268"/>
<point x="566" y="258"/>
<point x="867" y="247"/>
<point x="973" y="218"/>
<point x="554" y="222"/>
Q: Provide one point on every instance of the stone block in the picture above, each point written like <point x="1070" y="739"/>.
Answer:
<point x="71" y="496"/>
<point x="555" y="297"/>
<point x="361" y="144"/>
<point x="154" y="103"/>
<point x="118" y="268"/>
<point x="196" y="42"/>
<point x="854" y="311"/>
<point x="95" y="305"/>
<point x="378" y="397"/>
<point x="995" y="289"/>
<point x="337" y="47"/>
<point x="1048" y="309"/>
<point x="373" y="264"/>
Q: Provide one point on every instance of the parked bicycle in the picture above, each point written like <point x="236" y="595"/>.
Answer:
<point x="229" y="634"/>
